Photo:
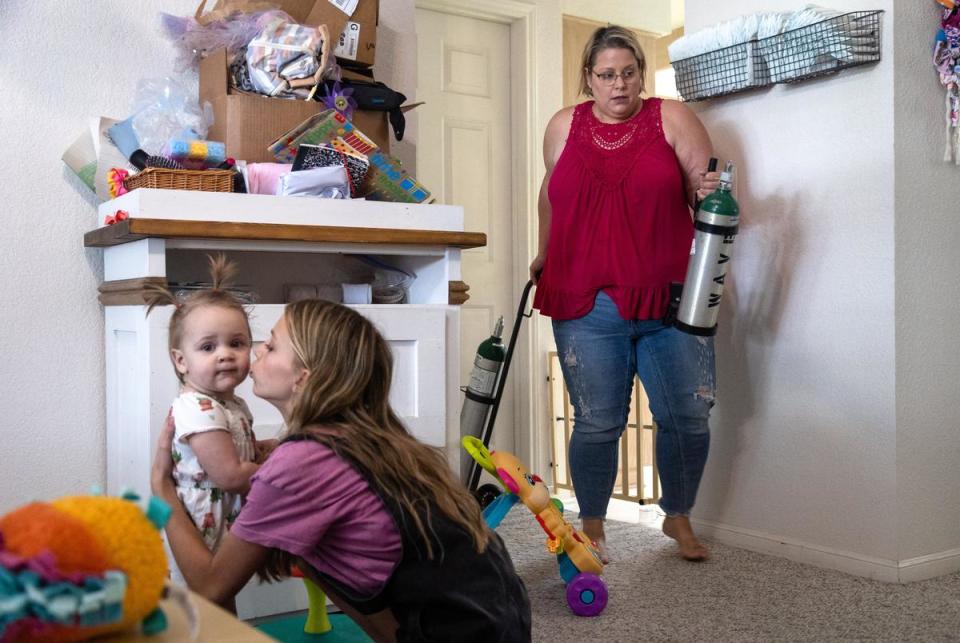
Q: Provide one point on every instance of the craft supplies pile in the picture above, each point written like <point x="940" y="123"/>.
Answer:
<point x="287" y="81"/>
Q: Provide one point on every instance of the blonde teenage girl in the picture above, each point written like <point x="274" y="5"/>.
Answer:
<point x="374" y="517"/>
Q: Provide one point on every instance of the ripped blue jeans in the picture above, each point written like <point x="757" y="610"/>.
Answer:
<point x="599" y="355"/>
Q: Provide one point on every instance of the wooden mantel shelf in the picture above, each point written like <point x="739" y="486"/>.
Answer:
<point x="134" y="229"/>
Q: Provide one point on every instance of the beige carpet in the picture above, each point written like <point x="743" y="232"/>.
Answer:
<point x="735" y="596"/>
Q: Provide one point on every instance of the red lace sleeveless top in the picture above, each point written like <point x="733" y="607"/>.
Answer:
<point x="619" y="221"/>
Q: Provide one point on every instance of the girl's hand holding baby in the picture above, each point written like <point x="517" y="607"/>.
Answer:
<point x="264" y="448"/>
<point x="161" y="474"/>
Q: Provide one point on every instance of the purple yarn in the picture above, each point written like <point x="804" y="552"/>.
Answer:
<point x="43" y="565"/>
<point x="30" y="628"/>
<point x="233" y="33"/>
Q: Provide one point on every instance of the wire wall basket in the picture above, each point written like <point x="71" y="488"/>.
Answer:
<point x="724" y="71"/>
<point x="818" y="49"/>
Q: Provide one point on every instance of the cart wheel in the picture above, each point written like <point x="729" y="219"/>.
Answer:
<point x="587" y="595"/>
<point x="486" y="494"/>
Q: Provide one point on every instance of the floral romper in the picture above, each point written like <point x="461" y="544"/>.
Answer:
<point x="211" y="509"/>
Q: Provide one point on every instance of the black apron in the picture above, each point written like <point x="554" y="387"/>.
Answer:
<point x="460" y="595"/>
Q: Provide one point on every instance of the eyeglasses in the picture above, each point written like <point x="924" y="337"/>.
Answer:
<point x="608" y="78"/>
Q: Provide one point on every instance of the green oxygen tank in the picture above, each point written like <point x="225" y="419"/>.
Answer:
<point x="715" y="229"/>
<point x="480" y="388"/>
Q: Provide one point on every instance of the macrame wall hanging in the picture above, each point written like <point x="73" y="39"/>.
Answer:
<point x="946" y="58"/>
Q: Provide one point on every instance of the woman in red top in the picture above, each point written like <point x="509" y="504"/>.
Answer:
<point x="615" y="230"/>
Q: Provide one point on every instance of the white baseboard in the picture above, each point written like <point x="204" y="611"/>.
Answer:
<point x="890" y="571"/>
<point x="266" y="599"/>
<point x="929" y="566"/>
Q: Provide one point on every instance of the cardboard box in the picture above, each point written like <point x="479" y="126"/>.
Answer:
<point x="248" y="123"/>
<point x="355" y="21"/>
<point x="352" y="24"/>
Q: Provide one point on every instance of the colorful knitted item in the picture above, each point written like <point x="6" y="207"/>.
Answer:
<point x="946" y="58"/>
<point x="80" y="567"/>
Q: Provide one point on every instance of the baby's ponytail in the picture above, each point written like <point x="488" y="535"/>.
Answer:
<point x="222" y="272"/>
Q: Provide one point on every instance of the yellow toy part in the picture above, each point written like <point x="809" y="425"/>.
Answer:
<point x="479" y="453"/>
<point x="318" y="621"/>
<point x="80" y="567"/>
<point x="533" y="493"/>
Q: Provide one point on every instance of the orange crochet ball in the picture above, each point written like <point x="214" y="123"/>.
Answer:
<point x="113" y="546"/>
<point x="135" y="546"/>
<point x="36" y="527"/>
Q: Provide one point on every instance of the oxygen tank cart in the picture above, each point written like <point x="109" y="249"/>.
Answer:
<point x="716" y="224"/>
<point x="491" y="404"/>
<point x="578" y="559"/>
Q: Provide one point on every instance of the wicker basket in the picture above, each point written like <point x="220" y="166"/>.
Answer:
<point x="202" y="180"/>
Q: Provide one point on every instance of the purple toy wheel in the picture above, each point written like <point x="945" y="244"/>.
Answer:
<point x="587" y="594"/>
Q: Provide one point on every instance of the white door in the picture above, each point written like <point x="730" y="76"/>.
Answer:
<point x="463" y="156"/>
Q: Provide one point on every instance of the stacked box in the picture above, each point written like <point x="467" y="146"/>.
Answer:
<point x="248" y="123"/>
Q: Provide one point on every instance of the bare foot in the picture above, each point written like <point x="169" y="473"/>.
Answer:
<point x="678" y="528"/>
<point x="593" y="529"/>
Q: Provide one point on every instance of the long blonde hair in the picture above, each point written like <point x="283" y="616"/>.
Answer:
<point x="610" y="37"/>
<point x="222" y="272"/>
<point x="344" y="404"/>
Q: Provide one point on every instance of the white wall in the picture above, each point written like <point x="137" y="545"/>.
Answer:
<point x="834" y="437"/>
<point x="66" y="62"/>
<point x="648" y="15"/>
<point x="927" y="201"/>
<point x="396" y="65"/>
<point x="676" y="14"/>
<point x="535" y="421"/>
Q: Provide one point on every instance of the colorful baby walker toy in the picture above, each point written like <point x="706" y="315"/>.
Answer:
<point x="579" y="561"/>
